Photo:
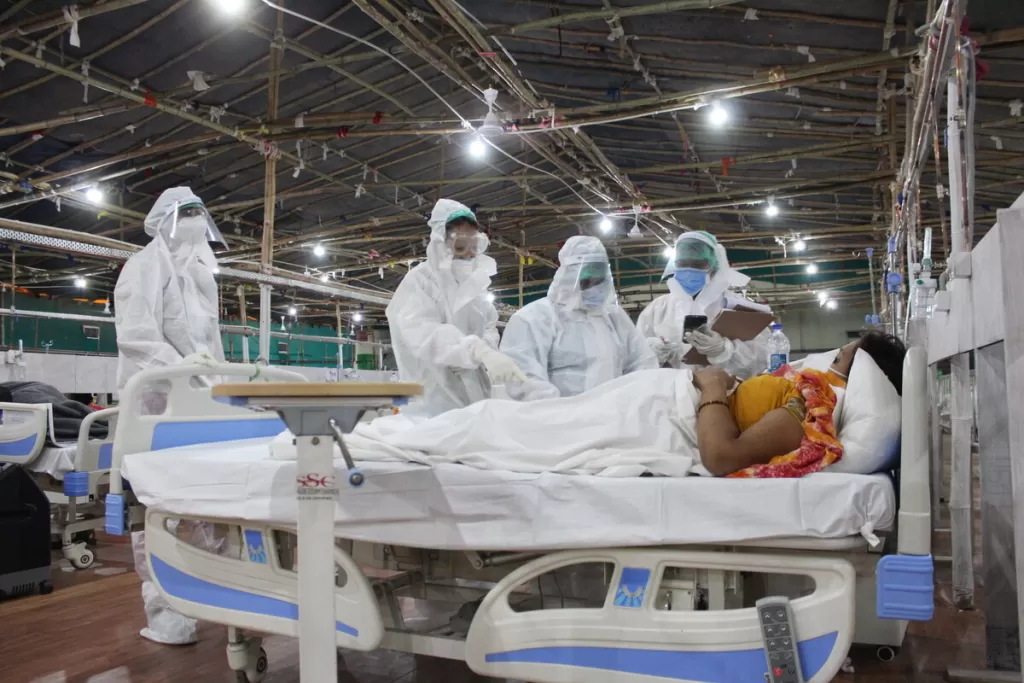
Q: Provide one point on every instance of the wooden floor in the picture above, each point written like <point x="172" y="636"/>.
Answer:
<point x="87" y="631"/>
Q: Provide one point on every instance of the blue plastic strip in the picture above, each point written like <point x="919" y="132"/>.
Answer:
<point x="726" y="666"/>
<point x="186" y="587"/>
<point x="115" y="515"/>
<point x="905" y="587"/>
<point x="106" y="456"/>
<point x="21" y="448"/>
<point x="76" y="484"/>
<point x="175" y="434"/>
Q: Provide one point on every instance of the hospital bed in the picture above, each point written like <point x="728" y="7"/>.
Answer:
<point x="547" y="578"/>
<point x="74" y="476"/>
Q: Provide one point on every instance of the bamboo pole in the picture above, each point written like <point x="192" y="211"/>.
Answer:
<point x="642" y="10"/>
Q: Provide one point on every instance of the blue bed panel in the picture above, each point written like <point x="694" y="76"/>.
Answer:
<point x="20" y="448"/>
<point x="106" y="456"/>
<point x="186" y="587"/>
<point x="730" y="666"/>
<point x="187" y="433"/>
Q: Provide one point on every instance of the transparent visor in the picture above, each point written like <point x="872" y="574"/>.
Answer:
<point x="466" y="242"/>
<point x="594" y="283"/>
<point x="697" y="255"/>
<point x="191" y="219"/>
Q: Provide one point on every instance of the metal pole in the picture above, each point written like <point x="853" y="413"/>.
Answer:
<point x="270" y="191"/>
<point x="245" y="323"/>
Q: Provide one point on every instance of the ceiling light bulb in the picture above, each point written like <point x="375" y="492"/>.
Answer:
<point x="319" y="250"/>
<point x="490" y="297"/>
<point x="215" y="270"/>
<point x="799" y="245"/>
<point x="772" y="211"/>
<point x="80" y="282"/>
<point x="357" y="316"/>
<point x="669" y="252"/>
<point x="822" y="297"/>
<point x="812" y="269"/>
<point x="292" y="310"/>
<point x="324" y="277"/>
<point x="606" y="224"/>
<point x="94" y="195"/>
<point x="477" y="148"/>
<point x="832" y="304"/>
<point x="230" y="6"/>
<point x="718" y="115"/>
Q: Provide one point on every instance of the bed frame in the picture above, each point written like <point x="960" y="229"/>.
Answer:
<point x="860" y="594"/>
<point x="76" y="500"/>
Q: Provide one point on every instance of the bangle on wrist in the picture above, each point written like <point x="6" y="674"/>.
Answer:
<point x="705" y="404"/>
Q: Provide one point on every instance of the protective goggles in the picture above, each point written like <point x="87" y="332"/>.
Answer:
<point x="465" y="241"/>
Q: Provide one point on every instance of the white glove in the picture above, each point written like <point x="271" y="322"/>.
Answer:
<point x="665" y="351"/>
<point x="710" y="343"/>
<point x="500" y="367"/>
<point x="204" y="359"/>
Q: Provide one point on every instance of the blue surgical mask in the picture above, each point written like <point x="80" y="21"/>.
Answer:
<point x="692" y="280"/>
<point x="593" y="297"/>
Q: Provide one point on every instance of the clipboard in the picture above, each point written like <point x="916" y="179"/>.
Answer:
<point x="740" y="324"/>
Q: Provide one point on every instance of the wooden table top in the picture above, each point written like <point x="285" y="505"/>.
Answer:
<point x="318" y="389"/>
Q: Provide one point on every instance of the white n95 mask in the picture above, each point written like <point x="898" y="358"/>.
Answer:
<point x="462" y="269"/>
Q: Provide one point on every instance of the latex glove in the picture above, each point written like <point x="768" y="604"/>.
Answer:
<point x="665" y="351"/>
<point x="204" y="359"/>
<point x="708" y="342"/>
<point x="500" y="367"/>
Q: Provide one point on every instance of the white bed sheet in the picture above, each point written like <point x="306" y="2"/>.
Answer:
<point x="55" y="460"/>
<point x="457" y="507"/>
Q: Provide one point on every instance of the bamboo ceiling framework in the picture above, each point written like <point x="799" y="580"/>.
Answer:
<point x="296" y="136"/>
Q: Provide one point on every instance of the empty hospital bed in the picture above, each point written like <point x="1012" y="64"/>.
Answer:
<point x="74" y="476"/>
<point x="545" y="577"/>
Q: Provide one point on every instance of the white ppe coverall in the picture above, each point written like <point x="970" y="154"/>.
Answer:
<point x="166" y="310"/>
<point x="570" y="341"/>
<point x="443" y="326"/>
<point x="662" y="321"/>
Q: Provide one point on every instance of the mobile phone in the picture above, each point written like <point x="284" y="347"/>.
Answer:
<point x="692" y="322"/>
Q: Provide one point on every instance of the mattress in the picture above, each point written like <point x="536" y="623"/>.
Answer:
<point x="55" y="460"/>
<point x="456" y="507"/>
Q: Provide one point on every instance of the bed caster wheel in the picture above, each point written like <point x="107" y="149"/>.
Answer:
<point x="45" y="587"/>
<point x="255" y="671"/>
<point x="83" y="559"/>
<point x="355" y="478"/>
<point x="886" y="653"/>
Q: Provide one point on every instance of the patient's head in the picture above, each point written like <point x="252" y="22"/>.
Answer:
<point x="885" y="349"/>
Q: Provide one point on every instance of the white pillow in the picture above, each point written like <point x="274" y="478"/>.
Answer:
<point x="869" y="423"/>
<point x="816" y="361"/>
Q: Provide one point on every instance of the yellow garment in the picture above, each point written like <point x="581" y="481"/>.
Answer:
<point x="760" y="395"/>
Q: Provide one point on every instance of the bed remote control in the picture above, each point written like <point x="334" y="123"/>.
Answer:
<point x="779" y="640"/>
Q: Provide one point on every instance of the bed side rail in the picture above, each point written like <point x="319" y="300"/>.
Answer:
<point x="191" y="417"/>
<point x="93" y="457"/>
<point x="23" y="431"/>
<point x="905" y="582"/>
<point x="631" y="634"/>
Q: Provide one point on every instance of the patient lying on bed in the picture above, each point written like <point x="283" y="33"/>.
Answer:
<point x="663" y="422"/>
<point x="770" y="415"/>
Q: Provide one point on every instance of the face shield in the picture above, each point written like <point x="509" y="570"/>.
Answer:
<point x="594" y="283"/>
<point x="192" y="224"/>
<point x="463" y="239"/>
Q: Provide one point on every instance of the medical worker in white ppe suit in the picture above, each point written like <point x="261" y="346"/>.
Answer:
<point x="443" y="325"/>
<point x="699" y="283"/>
<point x="577" y="337"/>
<point x="166" y="313"/>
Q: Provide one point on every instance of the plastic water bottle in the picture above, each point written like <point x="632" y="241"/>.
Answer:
<point x="778" y="349"/>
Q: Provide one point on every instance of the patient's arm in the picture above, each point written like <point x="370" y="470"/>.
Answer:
<point x="723" y="449"/>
